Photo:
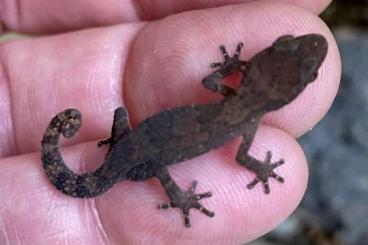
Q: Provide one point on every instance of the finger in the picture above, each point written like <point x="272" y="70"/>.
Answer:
<point x="42" y="16"/>
<point x="80" y="70"/>
<point x="240" y="214"/>
<point x="83" y="70"/>
<point x="32" y="211"/>
<point x="178" y="61"/>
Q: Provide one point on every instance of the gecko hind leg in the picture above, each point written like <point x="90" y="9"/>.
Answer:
<point x="182" y="200"/>
<point x="263" y="170"/>
<point x="120" y="127"/>
<point x="228" y="66"/>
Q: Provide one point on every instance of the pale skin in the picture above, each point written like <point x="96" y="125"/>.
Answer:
<point x="147" y="66"/>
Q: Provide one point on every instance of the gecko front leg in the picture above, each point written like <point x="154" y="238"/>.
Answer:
<point x="230" y="64"/>
<point x="263" y="170"/>
<point x="179" y="199"/>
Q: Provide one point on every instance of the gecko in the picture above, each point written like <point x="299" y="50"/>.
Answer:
<point x="269" y="80"/>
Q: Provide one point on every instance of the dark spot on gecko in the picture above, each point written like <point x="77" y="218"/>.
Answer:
<point x="271" y="79"/>
<point x="80" y="180"/>
<point x="81" y="190"/>
<point x="59" y="183"/>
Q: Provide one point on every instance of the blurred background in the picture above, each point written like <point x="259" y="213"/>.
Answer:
<point x="334" y="210"/>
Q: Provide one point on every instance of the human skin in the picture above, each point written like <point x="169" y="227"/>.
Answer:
<point x="146" y="65"/>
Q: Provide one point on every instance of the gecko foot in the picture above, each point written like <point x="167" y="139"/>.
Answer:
<point x="189" y="200"/>
<point x="104" y="142"/>
<point x="230" y="61"/>
<point x="264" y="171"/>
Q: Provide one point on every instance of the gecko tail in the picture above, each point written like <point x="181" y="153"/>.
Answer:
<point x="91" y="184"/>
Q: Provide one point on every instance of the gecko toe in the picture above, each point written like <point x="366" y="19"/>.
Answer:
<point x="277" y="177"/>
<point x="187" y="221"/>
<point x="204" y="210"/>
<point x="194" y="186"/>
<point x="203" y="195"/>
<point x="278" y="163"/>
<point x="165" y="206"/>
<point x="224" y="52"/>
<point x="238" y="49"/>
<point x="215" y="64"/>
<point x="266" y="187"/>
<point x="253" y="183"/>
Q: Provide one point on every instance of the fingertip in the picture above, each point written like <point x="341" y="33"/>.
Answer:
<point x="259" y="213"/>
<point x="176" y="61"/>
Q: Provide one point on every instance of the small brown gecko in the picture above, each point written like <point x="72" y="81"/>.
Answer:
<point x="271" y="79"/>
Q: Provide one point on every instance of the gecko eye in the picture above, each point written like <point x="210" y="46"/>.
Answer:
<point x="308" y="69"/>
<point x="286" y="43"/>
<point x="284" y="38"/>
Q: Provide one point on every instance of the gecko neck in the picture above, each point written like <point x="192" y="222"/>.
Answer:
<point x="245" y="104"/>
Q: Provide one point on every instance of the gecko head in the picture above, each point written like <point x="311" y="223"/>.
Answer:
<point x="308" y="51"/>
<point x="281" y="72"/>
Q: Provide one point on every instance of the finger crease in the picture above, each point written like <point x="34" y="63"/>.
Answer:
<point x="95" y="214"/>
<point x="11" y="145"/>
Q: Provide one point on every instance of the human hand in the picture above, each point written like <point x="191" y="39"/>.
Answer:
<point x="146" y="66"/>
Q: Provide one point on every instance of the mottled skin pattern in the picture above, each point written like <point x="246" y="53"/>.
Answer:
<point x="271" y="79"/>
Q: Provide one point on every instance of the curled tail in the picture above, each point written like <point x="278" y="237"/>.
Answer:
<point x="90" y="184"/>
